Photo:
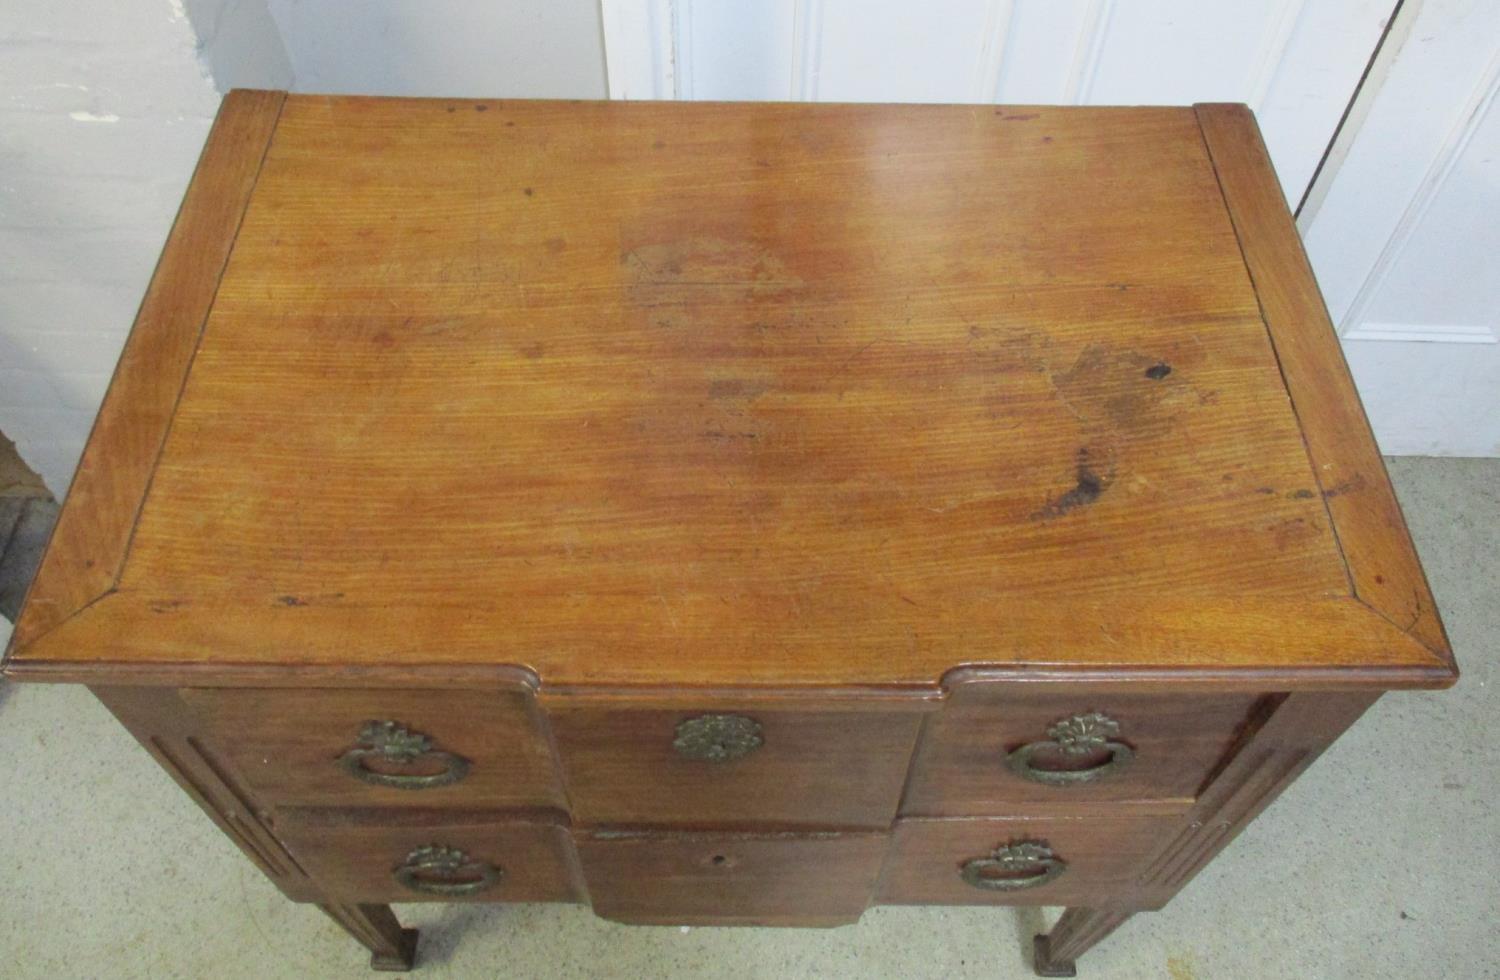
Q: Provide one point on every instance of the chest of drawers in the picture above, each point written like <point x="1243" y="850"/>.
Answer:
<point x="731" y="514"/>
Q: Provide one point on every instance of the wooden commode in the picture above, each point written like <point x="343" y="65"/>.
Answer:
<point x="732" y="513"/>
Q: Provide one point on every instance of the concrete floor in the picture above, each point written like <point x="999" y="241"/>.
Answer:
<point x="1383" y="861"/>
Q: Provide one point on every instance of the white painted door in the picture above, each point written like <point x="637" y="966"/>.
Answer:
<point x="1405" y="235"/>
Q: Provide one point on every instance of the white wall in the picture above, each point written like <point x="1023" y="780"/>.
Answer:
<point x="505" y="48"/>
<point x="103" y="109"/>
<point x="1406" y="240"/>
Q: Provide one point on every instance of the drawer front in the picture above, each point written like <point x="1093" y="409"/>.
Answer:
<point x="413" y="856"/>
<point x="1044" y="861"/>
<point x="731" y="879"/>
<point x="741" y="768"/>
<point x="382" y="747"/>
<point x="991" y="748"/>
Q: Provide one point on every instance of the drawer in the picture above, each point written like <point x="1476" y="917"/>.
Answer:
<point x="420" y="856"/>
<point x="731" y="879"/>
<point x="992" y="747"/>
<point x="1032" y="861"/>
<point x="736" y="769"/>
<point x="382" y="747"/>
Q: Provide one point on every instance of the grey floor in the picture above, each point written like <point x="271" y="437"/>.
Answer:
<point x="1384" y="861"/>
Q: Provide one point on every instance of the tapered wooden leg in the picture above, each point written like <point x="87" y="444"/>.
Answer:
<point x="391" y="947"/>
<point x="1077" y="930"/>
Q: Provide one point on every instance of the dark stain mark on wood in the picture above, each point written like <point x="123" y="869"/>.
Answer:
<point x="1288" y="532"/>
<point x="1348" y="486"/>
<point x="659" y="145"/>
<point x="1016" y="116"/>
<point x="1305" y="494"/>
<point x="735" y="388"/>
<point x="1158" y="370"/>
<point x="1102" y="387"/>
<point x="481" y="107"/>
<point x="297" y="600"/>
<point x="527" y="191"/>
<point x="1090" y="487"/>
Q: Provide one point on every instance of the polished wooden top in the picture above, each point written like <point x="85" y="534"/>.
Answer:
<point x="684" y="394"/>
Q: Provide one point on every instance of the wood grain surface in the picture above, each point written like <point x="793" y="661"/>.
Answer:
<point x="1178" y="740"/>
<point x="352" y="853"/>
<point x="746" y="395"/>
<point x="1351" y="475"/>
<point x="287" y="744"/>
<point x="807" y="879"/>
<point x="822" y="768"/>
<point x="1102" y="854"/>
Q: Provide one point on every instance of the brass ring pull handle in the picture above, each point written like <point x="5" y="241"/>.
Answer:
<point x="387" y="744"/>
<point x="1004" y="870"/>
<point x="1075" y="737"/>
<point x="447" y="871"/>
<point x="717" y="738"/>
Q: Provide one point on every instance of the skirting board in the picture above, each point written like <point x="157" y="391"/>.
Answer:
<point x="1430" y="333"/>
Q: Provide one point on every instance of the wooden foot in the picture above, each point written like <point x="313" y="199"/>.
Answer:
<point x="403" y="959"/>
<point x="1043" y="963"/>
<point x="391" y="947"/>
<point x="1053" y="955"/>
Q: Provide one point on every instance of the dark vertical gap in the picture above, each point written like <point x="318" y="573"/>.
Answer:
<point x="1348" y="107"/>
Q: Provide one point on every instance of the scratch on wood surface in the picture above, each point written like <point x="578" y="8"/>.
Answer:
<point x="849" y="361"/>
<point x="707" y="261"/>
<point x="671" y="616"/>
